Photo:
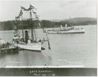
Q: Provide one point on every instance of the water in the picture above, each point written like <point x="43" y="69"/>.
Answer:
<point x="66" y="50"/>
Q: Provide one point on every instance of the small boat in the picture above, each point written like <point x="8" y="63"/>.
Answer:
<point x="66" y="30"/>
<point x="4" y="44"/>
<point x="6" y="47"/>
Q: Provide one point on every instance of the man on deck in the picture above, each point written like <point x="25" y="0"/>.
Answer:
<point x="26" y="37"/>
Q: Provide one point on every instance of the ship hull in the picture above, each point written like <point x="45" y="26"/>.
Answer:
<point x="65" y="32"/>
<point x="31" y="46"/>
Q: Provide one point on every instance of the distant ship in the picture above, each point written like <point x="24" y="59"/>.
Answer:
<point x="66" y="30"/>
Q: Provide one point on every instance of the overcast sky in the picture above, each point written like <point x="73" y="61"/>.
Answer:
<point x="49" y="9"/>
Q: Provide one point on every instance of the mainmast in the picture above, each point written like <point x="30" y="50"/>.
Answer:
<point x="32" y="35"/>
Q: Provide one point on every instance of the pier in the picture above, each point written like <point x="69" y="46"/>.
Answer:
<point x="8" y="50"/>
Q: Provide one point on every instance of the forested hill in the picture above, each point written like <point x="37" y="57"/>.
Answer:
<point x="81" y="21"/>
<point x="72" y="21"/>
<point x="9" y="25"/>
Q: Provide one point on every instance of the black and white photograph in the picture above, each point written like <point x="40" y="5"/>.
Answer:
<point x="58" y="37"/>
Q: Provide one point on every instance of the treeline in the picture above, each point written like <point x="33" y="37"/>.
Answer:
<point x="7" y="25"/>
<point x="70" y="22"/>
<point x="27" y="24"/>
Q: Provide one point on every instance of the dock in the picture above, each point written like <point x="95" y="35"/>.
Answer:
<point x="8" y="50"/>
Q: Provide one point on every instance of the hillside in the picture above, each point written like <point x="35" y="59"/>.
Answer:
<point x="72" y="21"/>
<point x="81" y="21"/>
<point x="9" y="25"/>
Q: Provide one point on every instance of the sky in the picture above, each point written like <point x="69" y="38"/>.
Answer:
<point x="49" y="9"/>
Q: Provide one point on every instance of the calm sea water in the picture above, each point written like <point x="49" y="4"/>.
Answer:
<point x="66" y="50"/>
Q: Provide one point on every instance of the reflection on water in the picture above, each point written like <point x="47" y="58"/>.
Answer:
<point x="25" y="58"/>
<point x="66" y="49"/>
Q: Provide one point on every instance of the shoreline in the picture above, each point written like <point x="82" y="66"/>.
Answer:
<point x="45" y="27"/>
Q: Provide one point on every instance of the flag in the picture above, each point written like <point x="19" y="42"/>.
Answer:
<point x="34" y="12"/>
<point x="21" y="13"/>
<point x="17" y="17"/>
<point x="23" y="8"/>
<point x="39" y="24"/>
<point x="37" y="17"/>
<point x="32" y="7"/>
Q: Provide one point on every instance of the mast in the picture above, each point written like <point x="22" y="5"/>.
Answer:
<point x="32" y="35"/>
<point x="22" y="29"/>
